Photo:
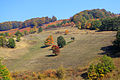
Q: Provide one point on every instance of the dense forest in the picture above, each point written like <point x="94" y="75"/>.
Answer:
<point x="96" y="19"/>
<point x="27" y="23"/>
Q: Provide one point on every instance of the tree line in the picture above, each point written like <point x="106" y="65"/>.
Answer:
<point x="28" y="23"/>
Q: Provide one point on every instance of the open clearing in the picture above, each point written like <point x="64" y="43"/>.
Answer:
<point x="28" y="54"/>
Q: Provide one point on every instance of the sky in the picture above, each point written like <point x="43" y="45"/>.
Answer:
<point x="20" y="10"/>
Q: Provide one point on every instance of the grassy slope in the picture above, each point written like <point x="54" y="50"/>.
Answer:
<point x="29" y="56"/>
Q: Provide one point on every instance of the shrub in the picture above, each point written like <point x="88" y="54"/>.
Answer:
<point x="25" y="33"/>
<point x="117" y="41"/>
<point x="60" y="73"/>
<point x="55" y="50"/>
<point x="11" y="43"/>
<point x="99" y="70"/>
<point x="32" y="31"/>
<point x="61" y="42"/>
<point x="18" y="33"/>
<point x="3" y="41"/>
<point x="49" y="41"/>
<point x="4" y="73"/>
<point x="6" y="34"/>
<point x="39" y="30"/>
<point x="18" y="38"/>
<point x="66" y="32"/>
<point x="2" y="34"/>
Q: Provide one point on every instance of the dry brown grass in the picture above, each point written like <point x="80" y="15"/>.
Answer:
<point x="28" y="54"/>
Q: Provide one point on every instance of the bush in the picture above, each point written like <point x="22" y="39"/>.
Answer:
<point x="61" y="42"/>
<point x="55" y="50"/>
<point x="18" y="38"/>
<point x="11" y="43"/>
<point x="117" y="41"/>
<point x="3" y="41"/>
<point x="25" y="33"/>
<point x="99" y="70"/>
<point x="39" y="30"/>
<point x="6" y="34"/>
<point x="32" y="31"/>
<point x="18" y="33"/>
<point x="60" y="73"/>
<point x="4" y="73"/>
<point x="66" y="32"/>
<point x="2" y="34"/>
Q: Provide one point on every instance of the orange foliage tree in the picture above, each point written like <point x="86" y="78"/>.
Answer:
<point x="49" y="41"/>
<point x="66" y="32"/>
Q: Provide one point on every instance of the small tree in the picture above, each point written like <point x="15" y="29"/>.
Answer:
<point x="40" y="30"/>
<point x="18" y="33"/>
<point x="55" y="50"/>
<point x="97" y="71"/>
<point x="1" y="41"/>
<point x="66" y="32"/>
<point x="4" y="73"/>
<point x="60" y="73"/>
<point x="61" y="42"/>
<point x="11" y="43"/>
<point x="25" y="32"/>
<point x="117" y="41"/>
<point x="6" y="34"/>
<point x="49" y="41"/>
<point x="18" y="38"/>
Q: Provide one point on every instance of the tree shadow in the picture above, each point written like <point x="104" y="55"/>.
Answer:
<point x="111" y="51"/>
<point x="84" y="75"/>
<point x="44" y="46"/>
<point x="50" y="55"/>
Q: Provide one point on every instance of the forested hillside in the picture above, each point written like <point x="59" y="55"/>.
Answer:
<point x="84" y="16"/>
<point x="27" y="23"/>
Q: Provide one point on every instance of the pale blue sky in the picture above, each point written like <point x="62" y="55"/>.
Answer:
<point x="20" y="10"/>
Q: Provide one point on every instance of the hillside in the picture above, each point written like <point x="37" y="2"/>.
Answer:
<point x="27" y="23"/>
<point x="85" y="15"/>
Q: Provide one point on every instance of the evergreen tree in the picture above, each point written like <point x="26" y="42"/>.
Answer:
<point x="61" y="41"/>
<point x="39" y="30"/>
<point x="117" y="41"/>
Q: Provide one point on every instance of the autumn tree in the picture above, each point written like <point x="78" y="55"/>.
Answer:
<point x="66" y="32"/>
<point x="49" y="41"/>
<point x="95" y="24"/>
<point x="4" y="72"/>
<point x="55" y="50"/>
<point x="54" y="19"/>
<point x="78" y="25"/>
